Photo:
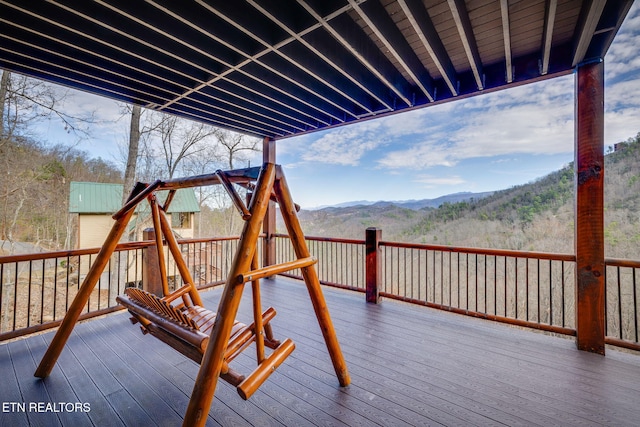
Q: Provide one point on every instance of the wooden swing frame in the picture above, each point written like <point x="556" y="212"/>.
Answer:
<point x="213" y="350"/>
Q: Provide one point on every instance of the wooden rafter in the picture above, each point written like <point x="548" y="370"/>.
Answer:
<point x="463" y="25"/>
<point x="351" y="38"/>
<point x="423" y="26"/>
<point x="506" y="36"/>
<point x="374" y="15"/>
<point x="589" y="18"/>
<point x="547" y="37"/>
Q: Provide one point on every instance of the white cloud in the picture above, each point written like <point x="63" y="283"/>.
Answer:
<point x="622" y="56"/>
<point x="346" y="145"/>
<point x="430" y="181"/>
<point x="537" y="119"/>
<point x="418" y="156"/>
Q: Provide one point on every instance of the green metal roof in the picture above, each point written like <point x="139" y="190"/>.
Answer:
<point x="101" y="198"/>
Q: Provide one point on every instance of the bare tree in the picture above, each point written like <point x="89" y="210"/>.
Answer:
<point x="26" y="100"/>
<point x="132" y="155"/>
<point x="4" y="90"/>
<point x="181" y="140"/>
<point x="235" y="145"/>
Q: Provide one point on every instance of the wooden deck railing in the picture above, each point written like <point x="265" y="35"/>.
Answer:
<point x="532" y="289"/>
<point x="622" y="305"/>
<point x="37" y="289"/>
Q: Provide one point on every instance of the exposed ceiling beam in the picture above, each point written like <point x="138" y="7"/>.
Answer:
<point x="506" y="35"/>
<point x="323" y="53"/>
<point x="130" y="52"/>
<point x="547" y="36"/>
<point x="267" y="78"/>
<point x="269" y="47"/>
<point x="376" y="17"/>
<point x="586" y="27"/>
<point x="463" y="24"/>
<point x="300" y="116"/>
<point x="424" y="28"/>
<point x="352" y="38"/>
<point x="229" y="109"/>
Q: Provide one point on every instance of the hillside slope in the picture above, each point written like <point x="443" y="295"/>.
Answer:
<point x="536" y="216"/>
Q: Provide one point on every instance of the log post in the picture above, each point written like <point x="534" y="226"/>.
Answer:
<point x="151" y="280"/>
<point x="269" y="225"/>
<point x="589" y="207"/>
<point x="372" y="264"/>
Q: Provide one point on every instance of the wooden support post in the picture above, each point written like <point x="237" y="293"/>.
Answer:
<point x="269" y="225"/>
<point x="372" y="266"/>
<point x="162" y="262"/>
<point x="151" y="279"/>
<point x="257" y="302"/>
<point x="288" y="211"/>
<point x="62" y="335"/>
<point x="207" y="379"/>
<point x="589" y="208"/>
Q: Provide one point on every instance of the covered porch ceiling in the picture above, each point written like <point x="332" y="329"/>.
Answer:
<point x="279" y="68"/>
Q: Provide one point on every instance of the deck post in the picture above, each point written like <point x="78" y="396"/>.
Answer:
<point x="372" y="264"/>
<point x="589" y="207"/>
<point x="269" y="225"/>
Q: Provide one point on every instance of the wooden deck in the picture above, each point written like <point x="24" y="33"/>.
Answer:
<point x="409" y="366"/>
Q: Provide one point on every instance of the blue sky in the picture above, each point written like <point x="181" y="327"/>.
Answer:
<point x="484" y="143"/>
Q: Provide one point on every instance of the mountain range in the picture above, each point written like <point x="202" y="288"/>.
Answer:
<point x="413" y="204"/>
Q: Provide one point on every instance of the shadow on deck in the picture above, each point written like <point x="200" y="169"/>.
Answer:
<point x="409" y="366"/>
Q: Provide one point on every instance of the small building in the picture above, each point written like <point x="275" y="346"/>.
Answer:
<point x="95" y="202"/>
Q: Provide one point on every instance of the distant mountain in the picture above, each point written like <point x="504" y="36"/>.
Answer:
<point x="413" y="204"/>
<point x="437" y="202"/>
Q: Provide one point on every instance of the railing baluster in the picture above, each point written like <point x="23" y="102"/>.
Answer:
<point x="30" y="275"/>
<point x="42" y="286"/>
<point x="515" y="262"/>
<point x="635" y="305"/>
<point x="619" y="304"/>
<point x="538" y="282"/>
<point x="15" y="296"/>
<point x="550" y="294"/>
<point x="563" y="299"/>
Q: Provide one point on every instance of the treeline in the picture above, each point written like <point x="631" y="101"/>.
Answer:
<point x="517" y="205"/>
<point x="34" y="190"/>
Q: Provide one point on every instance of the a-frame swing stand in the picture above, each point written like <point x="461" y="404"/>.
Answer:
<point x="178" y="325"/>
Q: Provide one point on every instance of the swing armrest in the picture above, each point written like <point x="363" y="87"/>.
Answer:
<point x="178" y="293"/>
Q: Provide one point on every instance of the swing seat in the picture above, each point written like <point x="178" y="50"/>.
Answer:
<point x="187" y="329"/>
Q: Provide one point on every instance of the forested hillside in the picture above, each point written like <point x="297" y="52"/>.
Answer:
<point x="34" y="190"/>
<point x="536" y="216"/>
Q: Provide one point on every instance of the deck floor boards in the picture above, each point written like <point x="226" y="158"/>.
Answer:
<point x="409" y="366"/>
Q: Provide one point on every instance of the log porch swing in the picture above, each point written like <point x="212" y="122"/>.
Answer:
<point x="212" y="339"/>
